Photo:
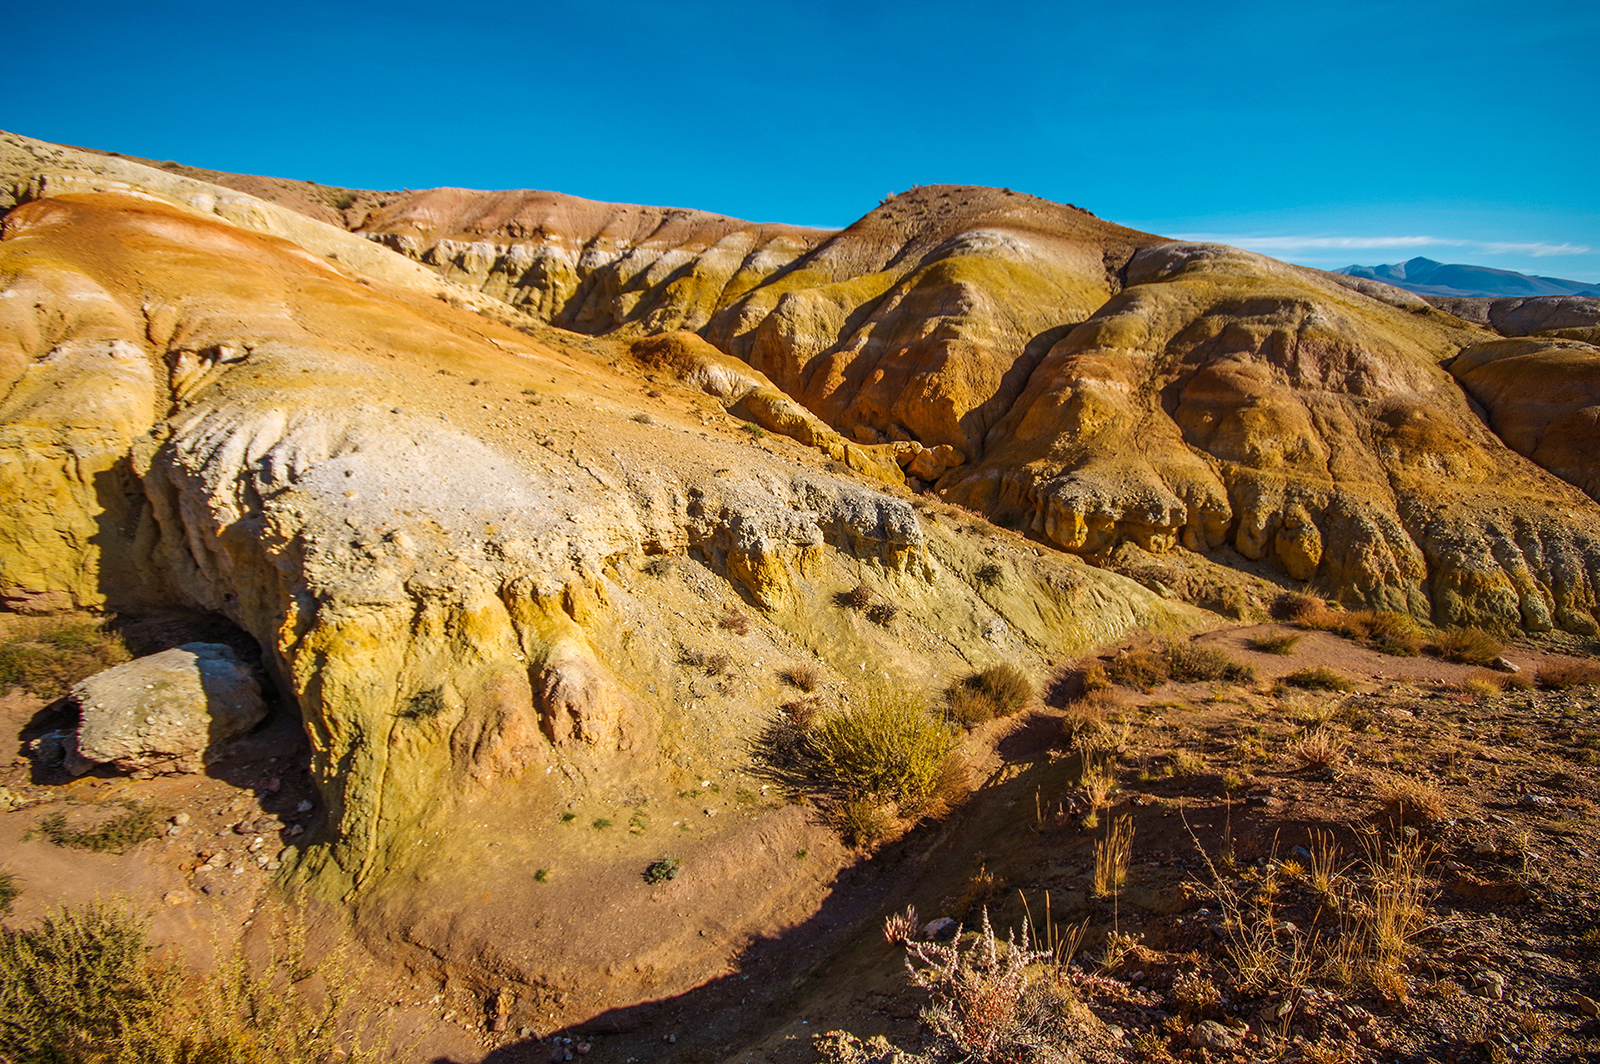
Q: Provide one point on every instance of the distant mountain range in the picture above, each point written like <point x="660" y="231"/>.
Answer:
<point x="1429" y="278"/>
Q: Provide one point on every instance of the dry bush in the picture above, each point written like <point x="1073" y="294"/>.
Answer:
<point x="988" y="574"/>
<point x="804" y="675"/>
<point x="1112" y="854"/>
<point x="718" y="663"/>
<point x="1391" y="911"/>
<point x="1517" y="681"/>
<point x="1184" y="763"/>
<point x="1098" y="778"/>
<point x="985" y="1007"/>
<point x="858" y="597"/>
<point x="1195" y="996"/>
<point x="1561" y="675"/>
<point x="82" y="987"/>
<point x="1384" y="630"/>
<point x="45" y="657"/>
<point x="1326" y="869"/>
<point x="865" y="766"/>
<point x="1318" y="748"/>
<point x="1469" y="646"/>
<point x="1297" y="608"/>
<point x="1007" y="686"/>
<point x="1192" y="663"/>
<point x="1408" y="800"/>
<point x="967" y="706"/>
<point x="1143" y="669"/>
<point x="1280" y="643"/>
<point x="1482" y="685"/>
<point x="883" y="614"/>
<point x="735" y="621"/>
<point x="1319" y="678"/>
<point x="1088" y="720"/>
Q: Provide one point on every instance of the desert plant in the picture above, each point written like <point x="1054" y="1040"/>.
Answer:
<point x="984" y="1005"/>
<point x="988" y="574"/>
<point x="754" y="431"/>
<point x="1087" y="721"/>
<point x="888" y="753"/>
<point x="1112" y="854"/>
<point x="858" y="597"/>
<point x="1143" y="669"/>
<point x="804" y="675"/>
<point x="1280" y="643"/>
<point x="1191" y="662"/>
<point x="1409" y="800"/>
<point x="1297" y="607"/>
<point x="1185" y="763"/>
<point x="900" y="926"/>
<point x="83" y="988"/>
<point x="47" y="657"/>
<point x="718" y="663"/>
<point x="883" y="613"/>
<point x="1561" y="675"/>
<point x="1469" y="646"/>
<point x="1318" y="748"/>
<point x="661" y="870"/>
<point x="968" y="706"/>
<point x="1006" y="686"/>
<point x="1383" y="630"/>
<point x="736" y="621"/>
<point x="1317" y="678"/>
<point x="8" y="891"/>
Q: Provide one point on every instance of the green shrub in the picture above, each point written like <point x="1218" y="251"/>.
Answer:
<point x="83" y="988"/>
<point x="1280" y="643"/>
<point x="1319" y="678"/>
<point x="1469" y="646"/>
<point x="662" y="870"/>
<point x="1191" y="663"/>
<point x="888" y="752"/>
<point x="1143" y="669"/>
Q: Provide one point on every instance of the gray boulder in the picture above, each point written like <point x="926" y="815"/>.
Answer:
<point x="169" y="712"/>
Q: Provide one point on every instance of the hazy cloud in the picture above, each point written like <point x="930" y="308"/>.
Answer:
<point x="1293" y="244"/>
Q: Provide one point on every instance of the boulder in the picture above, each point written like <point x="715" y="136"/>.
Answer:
<point x="169" y="712"/>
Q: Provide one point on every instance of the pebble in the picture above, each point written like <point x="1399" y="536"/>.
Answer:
<point x="941" y="930"/>
<point x="1209" y="1034"/>
<point x="1586" y="1005"/>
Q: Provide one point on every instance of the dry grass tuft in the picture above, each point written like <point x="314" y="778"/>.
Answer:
<point x="45" y="657"/>
<point x="1561" y="675"/>
<point x="735" y="621"/>
<point x="1280" y="643"/>
<point x="1087" y="722"/>
<point x="804" y="675"/>
<point x="1319" y="748"/>
<point x="1192" y="663"/>
<point x="1142" y="669"/>
<point x="1112" y="854"/>
<point x="1469" y="646"/>
<point x="1319" y="678"/>
<point x="1297" y="608"/>
<point x="1408" y="800"/>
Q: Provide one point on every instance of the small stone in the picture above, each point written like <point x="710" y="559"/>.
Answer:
<point x="1209" y="1034"/>
<point x="304" y="806"/>
<point x="1504" y="665"/>
<point x="175" y="898"/>
<point x="181" y="819"/>
<point x="1586" y="1005"/>
<point x="941" y="930"/>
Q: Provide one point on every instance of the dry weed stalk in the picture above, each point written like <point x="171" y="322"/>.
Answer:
<point x="1326" y="871"/>
<point x="1392" y="911"/>
<point x="1112" y="855"/>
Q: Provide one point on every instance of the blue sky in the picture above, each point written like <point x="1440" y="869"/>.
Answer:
<point x="1324" y="134"/>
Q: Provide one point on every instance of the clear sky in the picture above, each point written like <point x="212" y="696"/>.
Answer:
<point x="1347" y="131"/>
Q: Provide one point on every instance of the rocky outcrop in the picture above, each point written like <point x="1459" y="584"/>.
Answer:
<point x="435" y="527"/>
<point x="1543" y="399"/>
<point x="1226" y="401"/>
<point x="175" y="711"/>
<point x="1557" y="317"/>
